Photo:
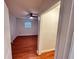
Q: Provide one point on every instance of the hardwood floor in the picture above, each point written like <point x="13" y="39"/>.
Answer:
<point x="25" y="47"/>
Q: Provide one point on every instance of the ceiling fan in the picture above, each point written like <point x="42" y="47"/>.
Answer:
<point x="33" y="15"/>
<point x="30" y="15"/>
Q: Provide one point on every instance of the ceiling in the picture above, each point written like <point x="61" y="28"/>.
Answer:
<point x="20" y="8"/>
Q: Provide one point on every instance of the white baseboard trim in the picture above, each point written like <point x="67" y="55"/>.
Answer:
<point x="43" y="51"/>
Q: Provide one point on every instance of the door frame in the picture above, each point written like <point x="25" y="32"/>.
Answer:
<point x="65" y="29"/>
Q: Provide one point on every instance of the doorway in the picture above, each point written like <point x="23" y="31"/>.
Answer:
<point x="34" y="37"/>
<point x="24" y="45"/>
<point x="39" y="50"/>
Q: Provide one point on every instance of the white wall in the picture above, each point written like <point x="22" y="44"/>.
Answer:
<point x="22" y="31"/>
<point x="48" y="30"/>
<point x="12" y="27"/>
<point x="7" y="38"/>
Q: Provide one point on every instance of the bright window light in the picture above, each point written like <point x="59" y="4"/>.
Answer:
<point x="28" y="24"/>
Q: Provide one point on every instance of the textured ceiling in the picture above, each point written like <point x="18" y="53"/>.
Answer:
<point x="20" y="8"/>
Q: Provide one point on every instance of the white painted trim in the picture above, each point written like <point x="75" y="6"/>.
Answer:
<point x="44" y="51"/>
<point x="8" y="55"/>
<point x="65" y="29"/>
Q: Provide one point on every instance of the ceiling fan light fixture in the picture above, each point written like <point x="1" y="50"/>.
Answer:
<point x="31" y="17"/>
